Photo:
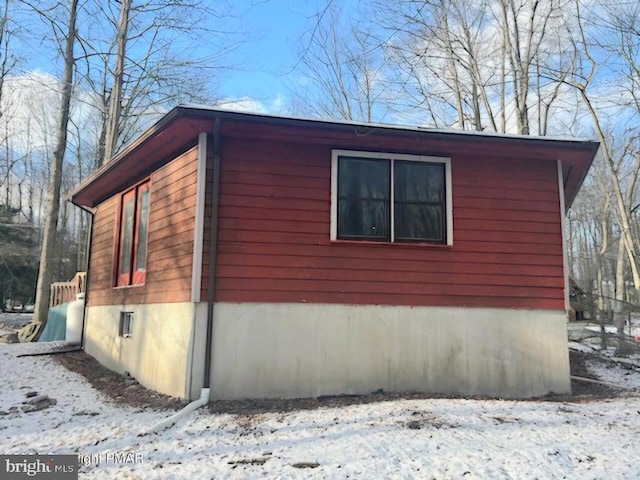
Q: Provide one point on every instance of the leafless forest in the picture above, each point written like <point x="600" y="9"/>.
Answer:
<point x="568" y="68"/>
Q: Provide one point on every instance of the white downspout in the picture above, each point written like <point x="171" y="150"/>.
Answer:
<point x="173" y="419"/>
<point x="198" y="243"/>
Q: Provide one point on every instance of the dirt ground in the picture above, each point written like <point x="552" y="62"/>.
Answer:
<point x="119" y="388"/>
<point x="124" y="390"/>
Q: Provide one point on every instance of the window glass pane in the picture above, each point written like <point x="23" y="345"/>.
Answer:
<point x="363" y="178"/>
<point x="143" y="227"/>
<point x="414" y="221"/>
<point x="363" y="198"/>
<point x="363" y="219"/>
<point x="418" y="182"/>
<point x="126" y="324"/>
<point x="126" y="235"/>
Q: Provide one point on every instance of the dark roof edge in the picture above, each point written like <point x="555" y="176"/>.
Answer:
<point x="208" y="111"/>
<point x="212" y="112"/>
<point x="152" y="131"/>
<point x="594" y="152"/>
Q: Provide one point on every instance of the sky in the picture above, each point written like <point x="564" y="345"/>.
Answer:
<point x="268" y="59"/>
<point x="263" y="73"/>
<point x="261" y="68"/>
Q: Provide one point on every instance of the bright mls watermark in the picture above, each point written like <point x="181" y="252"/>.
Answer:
<point x="50" y="467"/>
<point x="60" y="467"/>
<point x="87" y="459"/>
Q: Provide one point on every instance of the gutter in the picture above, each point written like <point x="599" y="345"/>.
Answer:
<point x="86" y="280"/>
<point x="91" y="212"/>
<point x="209" y="111"/>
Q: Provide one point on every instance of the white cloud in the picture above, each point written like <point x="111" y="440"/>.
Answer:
<point x="274" y="106"/>
<point x="242" y="104"/>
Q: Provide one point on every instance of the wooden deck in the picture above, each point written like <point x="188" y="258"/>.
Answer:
<point x="65" y="292"/>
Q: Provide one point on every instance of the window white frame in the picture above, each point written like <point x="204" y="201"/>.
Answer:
<point x="446" y="161"/>
<point x="126" y="324"/>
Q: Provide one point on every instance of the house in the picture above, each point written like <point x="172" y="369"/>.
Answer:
<point x="262" y="256"/>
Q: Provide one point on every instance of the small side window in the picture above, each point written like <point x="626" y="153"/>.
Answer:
<point x="126" y="324"/>
<point x="133" y="232"/>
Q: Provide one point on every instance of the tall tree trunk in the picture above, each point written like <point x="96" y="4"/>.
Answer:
<point x="503" y="82"/>
<point x="623" y="213"/>
<point x="451" y="59"/>
<point x="104" y="115"/>
<point x="115" y="100"/>
<point x="618" y="308"/>
<point x="48" y="254"/>
<point x="476" y="107"/>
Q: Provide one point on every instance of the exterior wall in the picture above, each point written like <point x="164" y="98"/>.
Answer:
<point x="274" y="228"/>
<point x="157" y="353"/>
<point x="170" y="241"/>
<point x="297" y="314"/>
<point x="302" y="350"/>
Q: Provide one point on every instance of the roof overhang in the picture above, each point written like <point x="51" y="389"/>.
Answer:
<point x="178" y="131"/>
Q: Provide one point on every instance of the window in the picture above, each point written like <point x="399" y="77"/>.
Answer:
<point x="131" y="251"/>
<point x="390" y="197"/>
<point x="126" y="324"/>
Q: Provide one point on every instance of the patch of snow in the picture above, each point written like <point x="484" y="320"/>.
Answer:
<point x="615" y="373"/>
<point x="597" y="328"/>
<point x="631" y="329"/>
<point x="13" y="321"/>
<point x="580" y="347"/>
<point x="442" y="438"/>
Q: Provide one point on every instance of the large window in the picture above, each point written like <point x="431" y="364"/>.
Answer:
<point x="131" y="248"/>
<point x="390" y="197"/>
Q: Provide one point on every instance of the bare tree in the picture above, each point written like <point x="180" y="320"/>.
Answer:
<point x="49" y="241"/>
<point x="148" y="60"/>
<point x="115" y="98"/>
<point x="582" y="80"/>
<point x="475" y="64"/>
<point x="342" y="71"/>
<point x="8" y="62"/>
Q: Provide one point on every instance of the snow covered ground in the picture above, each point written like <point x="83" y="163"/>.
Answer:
<point x="10" y="322"/>
<point x="631" y="331"/>
<point x="631" y="328"/>
<point x="437" y="438"/>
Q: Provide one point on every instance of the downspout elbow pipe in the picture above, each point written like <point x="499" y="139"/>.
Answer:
<point x="173" y="419"/>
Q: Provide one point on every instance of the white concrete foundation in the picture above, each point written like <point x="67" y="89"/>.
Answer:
<point x="198" y="348"/>
<point x="157" y="353"/>
<point x="306" y="350"/>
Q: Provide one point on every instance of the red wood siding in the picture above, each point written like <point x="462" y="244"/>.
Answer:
<point x="170" y="241"/>
<point x="274" y="227"/>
